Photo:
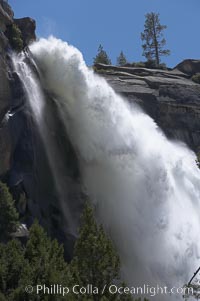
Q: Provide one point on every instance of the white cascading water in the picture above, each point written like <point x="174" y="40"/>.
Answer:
<point x="146" y="189"/>
<point x="36" y="99"/>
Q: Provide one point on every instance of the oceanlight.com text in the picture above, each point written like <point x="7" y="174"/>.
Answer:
<point x="146" y="290"/>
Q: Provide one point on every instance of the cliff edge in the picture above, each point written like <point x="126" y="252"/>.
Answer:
<point x="170" y="97"/>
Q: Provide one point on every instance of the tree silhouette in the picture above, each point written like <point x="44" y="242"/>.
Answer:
<point x="154" y="42"/>
<point x="121" y="59"/>
<point x="101" y="57"/>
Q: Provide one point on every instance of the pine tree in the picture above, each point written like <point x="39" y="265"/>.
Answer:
<point x="15" y="37"/>
<point x="9" y="216"/>
<point x="40" y="262"/>
<point x="101" y="57"/>
<point x="121" y="59"/>
<point x="95" y="260"/>
<point x="46" y="257"/>
<point x="154" y="42"/>
<point x="15" y="272"/>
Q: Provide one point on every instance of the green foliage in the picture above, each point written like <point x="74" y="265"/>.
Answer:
<point x="15" y="272"/>
<point x="101" y="57"/>
<point x="154" y="42"/>
<point x="97" y="70"/>
<point x="15" y="38"/>
<point x="163" y="66"/>
<point x="95" y="260"/>
<point x="46" y="257"/>
<point x="192" y="291"/>
<point x="151" y="64"/>
<point x="121" y="59"/>
<point x="103" y="71"/>
<point x="139" y="64"/>
<point x="148" y="64"/>
<point x="2" y="297"/>
<point x="41" y="261"/>
<point x="196" y="78"/>
<point x="9" y="216"/>
<point x="21" y="203"/>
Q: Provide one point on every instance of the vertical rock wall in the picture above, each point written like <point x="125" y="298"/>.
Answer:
<point x="6" y="16"/>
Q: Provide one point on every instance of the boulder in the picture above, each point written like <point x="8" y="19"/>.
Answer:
<point x="22" y="231"/>
<point x="189" y="67"/>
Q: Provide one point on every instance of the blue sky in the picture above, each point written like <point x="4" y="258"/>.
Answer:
<point x="116" y="24"/>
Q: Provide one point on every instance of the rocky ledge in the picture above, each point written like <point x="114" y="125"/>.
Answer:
<point x="27" y="27"/>
<point x="170" y="97"/>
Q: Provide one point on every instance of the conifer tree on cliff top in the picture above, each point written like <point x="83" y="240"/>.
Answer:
<point x="101" y="57"/>
<point x="153" y="38"/>
<point x="121" y="59"/>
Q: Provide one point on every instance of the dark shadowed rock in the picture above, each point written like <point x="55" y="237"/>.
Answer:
<point x="27" y="27"/>
<point x="7" y="8"/>
<point x="6" y="15"/>
<point x="31" y="174"/>
<point x="24" y="164"/>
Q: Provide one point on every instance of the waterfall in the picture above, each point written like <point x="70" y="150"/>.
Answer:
<point x="43" y="116"/>
<point x="145" y="188"/>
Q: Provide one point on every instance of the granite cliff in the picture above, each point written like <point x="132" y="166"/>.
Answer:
<point x="9" y="82"/>
<point x="170" y="97"/>
<point x="24" y="164"/>
<point x="6" y="19"/>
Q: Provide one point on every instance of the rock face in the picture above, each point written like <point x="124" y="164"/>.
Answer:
<point x="27" y="27"/>
<point x="9" y="98"/>
<point x="189" y="67"/>
<point x="24" y="164"/>
<point x="169" y="97"/>
<point x="31" y="173"/>
<point x="6" y="15"/>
